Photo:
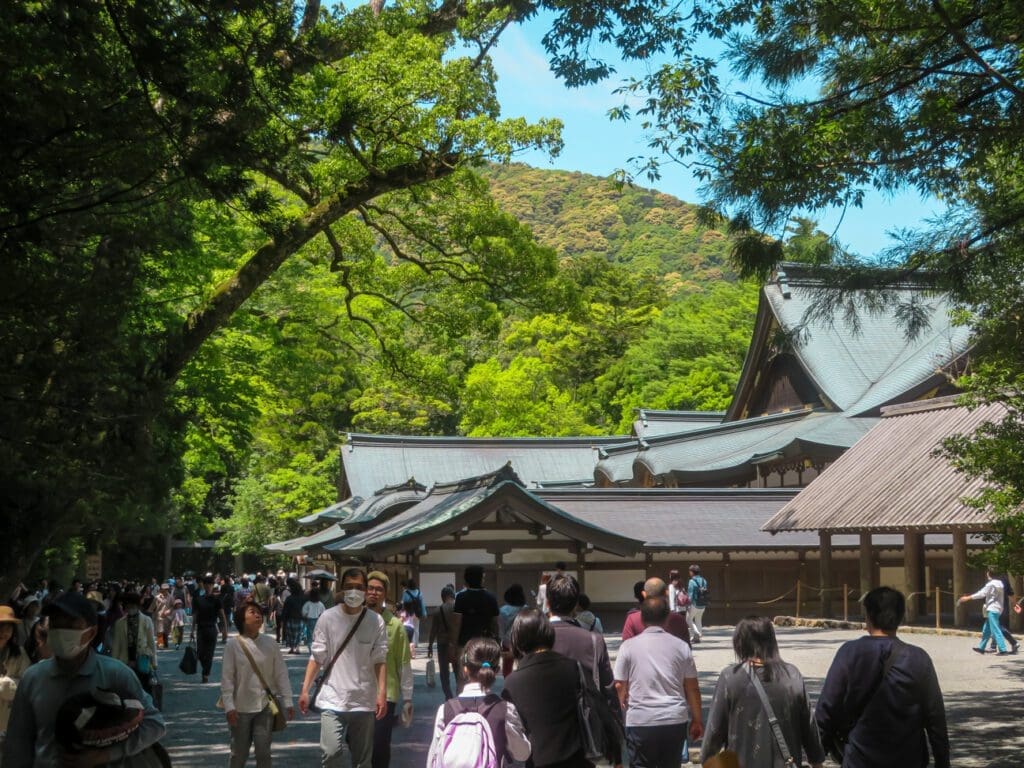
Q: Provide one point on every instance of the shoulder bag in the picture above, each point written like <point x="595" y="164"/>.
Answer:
<point x="326" y="671"/>
<point x="837" y="744"/>
<point x="773" y="721"/>
<point x="280" y="718"/>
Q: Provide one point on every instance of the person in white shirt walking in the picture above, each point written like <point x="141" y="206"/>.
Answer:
<point x="350" y="644"/>
<point x="992" y="595"/>
<point x="247" y="703"/>
<point x="312" y="610"/>
<point x="657" y="684"/>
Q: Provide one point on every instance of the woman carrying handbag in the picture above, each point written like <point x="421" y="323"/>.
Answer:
<point x="760" y="710"/>
<point x="255" y="690"/>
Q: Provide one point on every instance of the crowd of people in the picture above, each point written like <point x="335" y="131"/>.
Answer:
<point x="563" y="703"/>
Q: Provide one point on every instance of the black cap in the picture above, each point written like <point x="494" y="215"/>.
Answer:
<point x="73" y="604"/>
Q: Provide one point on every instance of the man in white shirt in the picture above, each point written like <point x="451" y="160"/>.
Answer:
<point x="992" y="594"/>
<point x="657" y="684"/>
<point x="355" y="685"/>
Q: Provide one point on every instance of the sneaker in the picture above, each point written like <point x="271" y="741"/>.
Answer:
<point x="976" y="649"/>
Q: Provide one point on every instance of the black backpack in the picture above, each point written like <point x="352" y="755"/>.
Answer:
<point x="702" y="595"/>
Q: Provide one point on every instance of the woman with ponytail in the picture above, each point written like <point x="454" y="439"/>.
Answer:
<point x="480" y="661"/>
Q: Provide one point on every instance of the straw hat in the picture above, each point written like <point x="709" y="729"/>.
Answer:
<point x="7" y="615"/>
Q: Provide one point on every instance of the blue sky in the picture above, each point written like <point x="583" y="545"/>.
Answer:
<point x="596" y="145"/>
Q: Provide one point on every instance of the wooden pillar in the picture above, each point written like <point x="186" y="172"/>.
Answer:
<point x="960" y="578"/>
<point x="581" y="566"/>
<point x="825" y="580"/>
<point x="725" y="578"/>
<point x="867" y="564"/>
<point x="912" y="574"/>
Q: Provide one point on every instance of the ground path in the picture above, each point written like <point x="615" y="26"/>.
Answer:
<point x="983" y="701"/>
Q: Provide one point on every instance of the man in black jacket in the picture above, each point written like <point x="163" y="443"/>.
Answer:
<point x="881" y="706"/>
<point x="579" y="644"/>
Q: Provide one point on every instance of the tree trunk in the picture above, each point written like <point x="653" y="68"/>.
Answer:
<point x="233" y="292"/>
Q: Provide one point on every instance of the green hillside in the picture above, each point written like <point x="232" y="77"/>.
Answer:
<point x="578" y="215"/>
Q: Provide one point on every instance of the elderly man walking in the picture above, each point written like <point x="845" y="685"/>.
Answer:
<point x="657" y="683"/>
<point x="398" y="669"/>
<point x="675" y="624"/>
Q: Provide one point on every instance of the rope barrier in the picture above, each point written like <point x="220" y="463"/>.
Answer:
<point x="777" y="599"/>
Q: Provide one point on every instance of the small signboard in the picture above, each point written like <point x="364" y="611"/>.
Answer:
<point x="93" y="567"/>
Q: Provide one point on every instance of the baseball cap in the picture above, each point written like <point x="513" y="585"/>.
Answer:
<point x="73" y="604"/>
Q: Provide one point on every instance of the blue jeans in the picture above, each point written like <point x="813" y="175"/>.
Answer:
<point x="991" y="629"/>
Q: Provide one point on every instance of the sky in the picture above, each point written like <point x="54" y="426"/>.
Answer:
<point x="596" y="145"/>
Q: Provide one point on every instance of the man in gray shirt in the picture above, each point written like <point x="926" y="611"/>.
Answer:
<point x="657" y="683"/>
<point x="74" y="669"/>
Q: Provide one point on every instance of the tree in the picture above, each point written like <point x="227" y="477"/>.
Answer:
<point x="842" y="98"/>
<point x="136" y="131"/>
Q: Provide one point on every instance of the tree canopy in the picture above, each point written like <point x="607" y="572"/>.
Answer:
<point x="194" y="191"/>
<point x="838" y="99"/>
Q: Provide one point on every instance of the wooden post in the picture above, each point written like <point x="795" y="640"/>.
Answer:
<point x="798" y="598"/>
<point x="825" y="580"/>
<point x="959" y="578"/>
<point x="911" y="569"/>
<point x="867" y="564"/>
<point x="938" y="608"/>
<point x="581" y="565"/>
<point x="846" y="602"/>
<point x="1017" y="582"/>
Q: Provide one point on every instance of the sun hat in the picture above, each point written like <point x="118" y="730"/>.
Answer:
<point x="7" y="615"/>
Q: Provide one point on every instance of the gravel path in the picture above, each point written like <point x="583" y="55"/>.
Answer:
<point x="983" y="698"/>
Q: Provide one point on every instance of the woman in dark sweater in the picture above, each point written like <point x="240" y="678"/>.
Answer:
<point x="738" y="720"/>
<point x="545" y="688"/>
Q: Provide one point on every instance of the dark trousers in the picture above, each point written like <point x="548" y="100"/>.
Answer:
<point x="655" y="746"/>
<point x="206" y="643"/>
<point x="382" y="737"/>
<point x="444" y="669"/>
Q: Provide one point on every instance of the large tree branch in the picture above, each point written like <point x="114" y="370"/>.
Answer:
<point x="233" y="292"/>
<point x="961" y="39"/>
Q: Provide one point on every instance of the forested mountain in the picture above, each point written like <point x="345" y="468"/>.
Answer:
<point x="578" y="215"/>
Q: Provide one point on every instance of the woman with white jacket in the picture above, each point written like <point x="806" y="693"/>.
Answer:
<point x="246" y="702"/>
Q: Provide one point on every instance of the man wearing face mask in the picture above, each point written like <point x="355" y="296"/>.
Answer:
<point x="74" y="669"/>
<point x="399" y="669"/>
<point x="350" y="644"/>
<point x="133" y="641"/>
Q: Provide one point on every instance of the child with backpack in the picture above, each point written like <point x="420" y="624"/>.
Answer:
<point x="478" y="729"/>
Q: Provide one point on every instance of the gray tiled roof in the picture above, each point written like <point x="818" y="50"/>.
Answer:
<point x="651" y="422"/>
<point x="374" y="461"/>
<point x="726" y="518"/>
<point x="862" y="368"/>
<point x="893" y="479"/>
<point x="700" y="518"/>
<point x="726" y="449"/>
<point x="337" y="511"/>
<point x="447" y="504"/>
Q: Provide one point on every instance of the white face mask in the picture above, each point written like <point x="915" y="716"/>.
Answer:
<point x="67" y="643"/>
<point x="354" y="597"/>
